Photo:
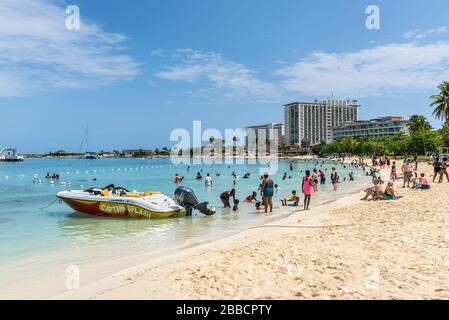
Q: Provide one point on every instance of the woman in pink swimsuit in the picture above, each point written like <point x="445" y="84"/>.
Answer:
<point x="307" y="185"/>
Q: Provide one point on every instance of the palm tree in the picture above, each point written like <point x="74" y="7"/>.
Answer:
<point x="418" y="124"/>
<point x="441" y="102"/>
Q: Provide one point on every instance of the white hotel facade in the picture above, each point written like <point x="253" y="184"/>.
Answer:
<point x="313" y="121"/>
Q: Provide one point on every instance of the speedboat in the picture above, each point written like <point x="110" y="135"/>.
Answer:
<point x="114" y="201"/>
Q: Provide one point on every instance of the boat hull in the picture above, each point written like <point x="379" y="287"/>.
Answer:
<point x="117" y="209"/>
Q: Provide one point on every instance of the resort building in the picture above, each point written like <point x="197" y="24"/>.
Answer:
<point x="269" y="131"/>
<point x="369" y="129"/>
<point x="313" y="121"/>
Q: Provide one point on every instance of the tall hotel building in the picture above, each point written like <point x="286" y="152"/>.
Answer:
<point x="314" y="121"/>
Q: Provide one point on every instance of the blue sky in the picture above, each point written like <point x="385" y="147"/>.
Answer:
<point x="135" y="72"/>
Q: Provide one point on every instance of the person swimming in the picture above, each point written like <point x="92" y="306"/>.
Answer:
<point x="251" y="198"/>
<point x="199" y="176"/>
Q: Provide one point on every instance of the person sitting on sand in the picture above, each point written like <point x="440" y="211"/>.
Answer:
<point x="292" y="202"/>
<point x="373" y="192"/>
<point x="422" y="183"/>
<point x="226" y="196"/>
<point x="389" y="193"/>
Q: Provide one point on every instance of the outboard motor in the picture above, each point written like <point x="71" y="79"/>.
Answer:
<point x="186" y="198"/>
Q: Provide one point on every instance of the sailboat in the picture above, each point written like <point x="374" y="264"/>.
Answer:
<point x="84" y="144"/>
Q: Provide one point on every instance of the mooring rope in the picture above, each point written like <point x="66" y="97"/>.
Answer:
<point x="49" y="204"/>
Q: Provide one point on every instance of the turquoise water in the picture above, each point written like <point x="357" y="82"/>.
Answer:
<point x="27" y="232"/>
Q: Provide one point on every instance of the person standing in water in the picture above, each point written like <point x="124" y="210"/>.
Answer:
<point x="307" y="185"/>
<point x="226" y="196"/>
<point x="267" y="191"/>
<point x="334" y="178"/>
<point x="315" y="180"/>
<point x="322" y="177"/>
<point x="208" y="181"/>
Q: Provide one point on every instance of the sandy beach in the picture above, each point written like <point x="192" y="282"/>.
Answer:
<point x="347" y="249"/>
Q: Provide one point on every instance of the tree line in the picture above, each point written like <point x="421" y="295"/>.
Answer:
<point x="421" y="138"/>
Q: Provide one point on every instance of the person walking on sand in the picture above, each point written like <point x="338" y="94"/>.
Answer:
<point x="443" y="170"/>
<point x="436" y="169"/>
<point x="267" y="192"/>
<point x="407" y="170"/>
<point x="393" y="174"/>
<point x="334" y="178"/>
<point x="415" y="165"/>
<point x="307" y="185"/>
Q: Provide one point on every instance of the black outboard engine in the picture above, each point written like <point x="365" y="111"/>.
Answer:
<point x="186" y="198"/>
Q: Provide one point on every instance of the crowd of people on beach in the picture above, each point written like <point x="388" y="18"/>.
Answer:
<point x="410" y="176"/>
<point x="310" y="182"/>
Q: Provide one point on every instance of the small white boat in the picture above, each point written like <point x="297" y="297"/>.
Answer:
<point x="119" y="202"/>
<point x="114" y="201"/>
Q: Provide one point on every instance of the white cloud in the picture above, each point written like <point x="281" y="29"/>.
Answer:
<point x="38" y="53"/>
<point x="419" y="34"/>
<point x="382" y="70"/>
<point x="158" y="53"/>
<point x="229" y="78"/>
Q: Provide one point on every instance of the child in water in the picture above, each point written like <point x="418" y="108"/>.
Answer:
<point x="292" y="202"/>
